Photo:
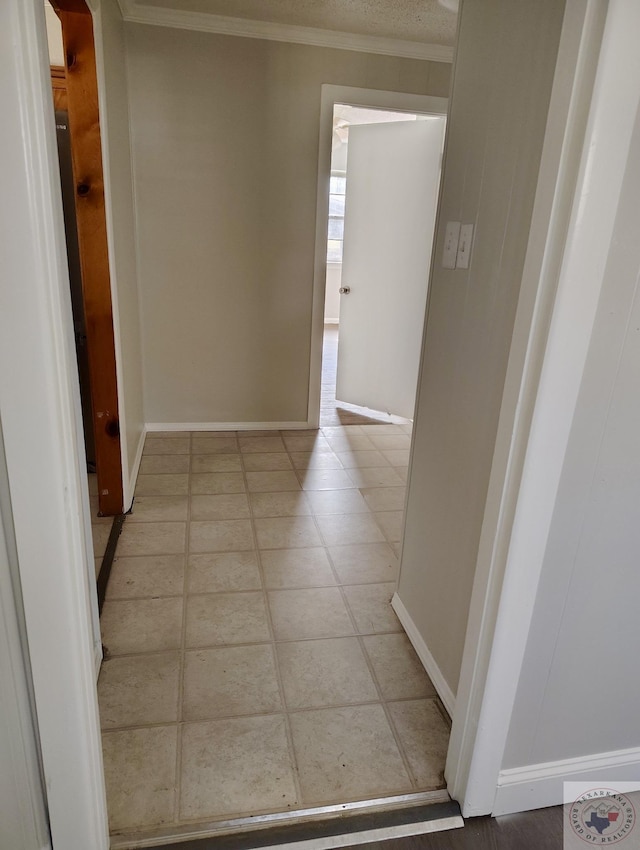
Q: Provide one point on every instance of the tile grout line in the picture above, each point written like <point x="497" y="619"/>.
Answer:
<point x="183" y="644"/>
<point x="276" y="663"/>
<point x="369" y="663"/>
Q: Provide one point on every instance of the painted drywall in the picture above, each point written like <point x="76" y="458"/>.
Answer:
<point x="332" y="293"/>
<point x="225" y="138"/>
<point x="578" y="692"/>
<point x="23" y="819"/>
<point x="500" y="98"/>
<point x="122" y="235"/>
<point x="54" y="36"/>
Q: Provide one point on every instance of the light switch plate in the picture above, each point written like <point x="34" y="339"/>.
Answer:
<point x="450" y="250"/>
<point x="464" y="246"/>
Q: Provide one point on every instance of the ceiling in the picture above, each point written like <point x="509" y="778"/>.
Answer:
<point x="377" y="22"/>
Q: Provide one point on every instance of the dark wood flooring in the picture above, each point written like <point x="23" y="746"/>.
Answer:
<point x="538" y="830"/>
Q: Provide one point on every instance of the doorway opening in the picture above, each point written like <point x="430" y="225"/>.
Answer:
<point x="391" y="202"/>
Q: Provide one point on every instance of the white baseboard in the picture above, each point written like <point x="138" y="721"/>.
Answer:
<point x="428" y="661"/>
<point x="136" y="469"/>
<point x="226" y="426"/>
<point x="537" y="786"/>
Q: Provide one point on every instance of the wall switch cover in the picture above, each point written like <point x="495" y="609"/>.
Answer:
<point x="464" y="246"/>
<point x="450" y="250"/>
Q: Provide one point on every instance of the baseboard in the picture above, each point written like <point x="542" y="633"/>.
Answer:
<point x="537" y="786"/>
<point x="439" y="683"/>
<point x="226" y="426"/>
<point x="133" y="478"/>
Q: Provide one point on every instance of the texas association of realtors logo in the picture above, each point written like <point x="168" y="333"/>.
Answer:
<point x="602" y="816"/>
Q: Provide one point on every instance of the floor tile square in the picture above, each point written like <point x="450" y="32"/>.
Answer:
<point x="214" y="483"/>
<point x="285" y="503"/>
<point x="351" y="443"/>
<point x="312" y="613"/>
<point x="152" y="538"/>
<point x="216" y="463"/>
<point x="287" y="532"/>
<point x="220" y="506"/>
<point x="146" y="575"/>
<point x="231" y="535"/>
<point x="388" y="442"/>
<point x="306" y="443"/>
<point x="397" y="667"/>
<point x="266" y="461"/>
<point x="325" y="479"/>
<point x="223" y="571"/>
<point x="140" y="775"/>
<point x="385" y="498"/>
<point x="230" y="681"/>
<point x="166" y="445"/>
<point x="170" y="484"/>
<point x="424" y="736"/>
<point x="376" y="476"/>
<point x="315" y="460"/>
<point x="272" y="482"/>
<point x="164" y="464"/>
<point x="138" y="690"/>
<point x="370" y="605"/>
<point x="292" y="568"/>
<point x="236" y="766"/>
<point x="317" y="673"/>
<point x="217" y="619"/>
<point x="392" y="524"/>
<point x="382" y="430"/>
<point x="100" y="536"/>
<point x="346" y="754"/>
<point x="251" y="443"/>
<point x="364" y="563"/>
<point x="397" y="457"/>
<point x="362" y="459"/>
<point x="159" y="509"/>
<point x="328" y="502"/>
<point x="349" y="528"/>
<point x="214" y="444"/>
<point x="141" y="625"/>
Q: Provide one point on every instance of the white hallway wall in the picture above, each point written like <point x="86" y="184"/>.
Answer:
<point x="225" y="139"/>
<point x="579" y="694"/>
<point x="499" y="102"/>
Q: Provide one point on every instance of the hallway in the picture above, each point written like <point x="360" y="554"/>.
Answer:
<point x="253" y="662"/>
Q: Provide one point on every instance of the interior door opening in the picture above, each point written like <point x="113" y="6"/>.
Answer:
<point x="382" y="200"/>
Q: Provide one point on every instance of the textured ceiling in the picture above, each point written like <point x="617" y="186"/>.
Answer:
<point x="412" y="20"/>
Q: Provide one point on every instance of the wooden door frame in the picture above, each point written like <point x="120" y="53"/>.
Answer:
<point x="81" y="86"/>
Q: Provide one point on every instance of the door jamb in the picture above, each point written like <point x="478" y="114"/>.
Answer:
<point x="86" y="148"/>
<point x="369" y="98"/>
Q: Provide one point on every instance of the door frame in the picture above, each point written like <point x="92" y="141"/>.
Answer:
<point x="42" y="428"/>
<point x="81" y="86"/>
<point x="368" y="98"/>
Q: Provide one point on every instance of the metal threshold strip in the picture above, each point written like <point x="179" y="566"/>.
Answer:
<point x="320" y="828"/>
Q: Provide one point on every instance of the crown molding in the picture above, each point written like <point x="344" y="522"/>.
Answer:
<point x="201" y="21"/>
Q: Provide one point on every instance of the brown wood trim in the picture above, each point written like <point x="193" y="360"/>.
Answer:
<point x="59" y="87"/>
<point x="79" y="7"/>
<point x="84" y="124"/>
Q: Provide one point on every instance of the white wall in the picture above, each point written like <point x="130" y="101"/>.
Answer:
<point x="225" y="135"/>
<point x="500" y="97"/>
<point x="332" y="293"/>
<point x="579" y="693"/>
<point x="114" y="106"/>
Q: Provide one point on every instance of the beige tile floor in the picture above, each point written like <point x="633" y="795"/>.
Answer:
<point x="254" y="663"/>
